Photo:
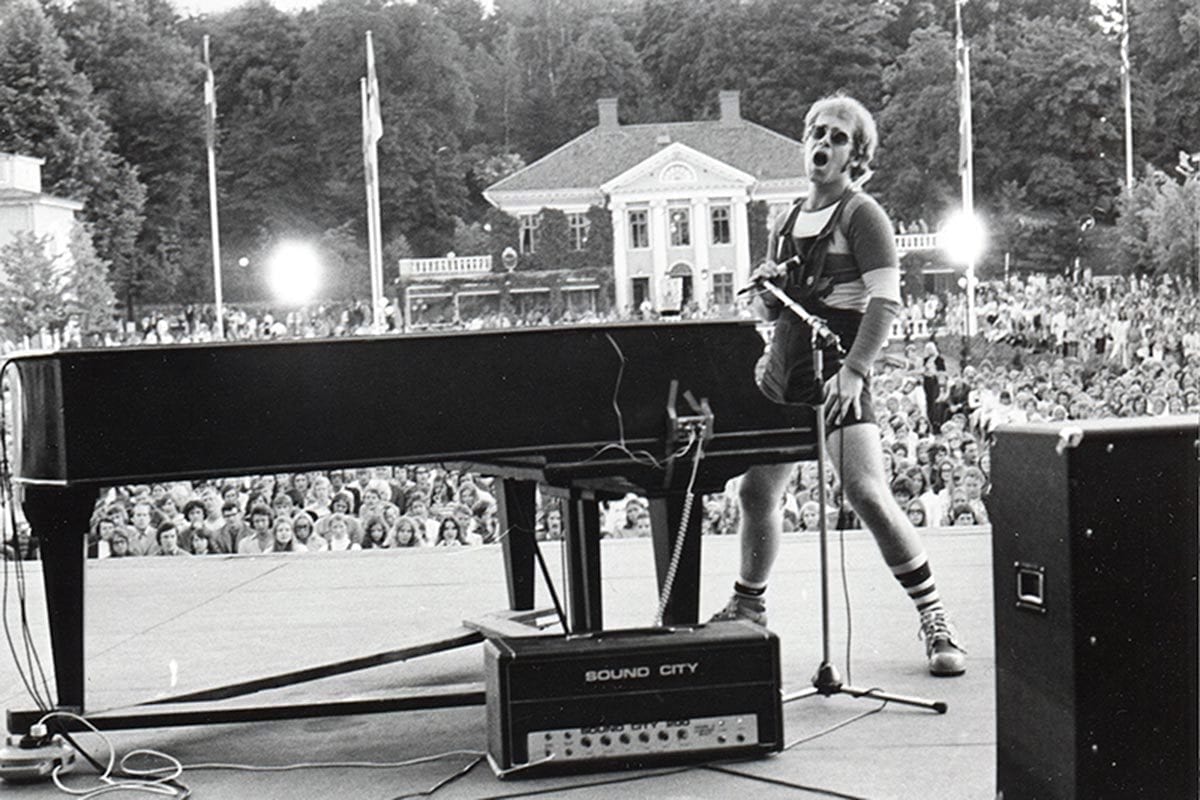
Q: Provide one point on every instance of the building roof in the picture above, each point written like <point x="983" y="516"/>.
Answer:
<point x="602" y="153"/>
<point x="10" y="196"/>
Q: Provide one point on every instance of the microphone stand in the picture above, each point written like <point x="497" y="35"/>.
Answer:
<point x="828" y="681"/>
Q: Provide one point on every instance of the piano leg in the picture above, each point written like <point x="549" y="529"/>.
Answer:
<point x="516" y="510"/>
<point x="665" y="513"/>
<point x="581" y="531"/>
<point x="59" y="516"/>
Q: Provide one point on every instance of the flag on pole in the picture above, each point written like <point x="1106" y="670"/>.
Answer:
<point x="210" y="131"/>
<point x="210" y="101"/>
<point x="372" y="122"/>
<point x="962" y="69"/>
<point x="1125" y="44"/>
<point x="1126" y="91"/>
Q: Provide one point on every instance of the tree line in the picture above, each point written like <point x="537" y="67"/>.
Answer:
<point x="110" y="93"/>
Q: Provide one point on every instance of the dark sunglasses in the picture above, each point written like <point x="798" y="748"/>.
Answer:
<point x="837" y="136"/>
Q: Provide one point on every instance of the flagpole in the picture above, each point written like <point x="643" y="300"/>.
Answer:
<point x="210" y="114"/>
<point x="966" y="156"/>
<point x="1126" y="79"/>
<point x="372" y="132"/>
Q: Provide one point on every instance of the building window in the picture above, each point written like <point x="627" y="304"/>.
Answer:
<point x="639" y="229"/>
<point x="681" y="229"/>
<point x="722" y="288"/>
<point x="720" y="225"/>
<point x="582" y="300"/>
<point x="577" y="225"/>
<point x="529" y="227"/>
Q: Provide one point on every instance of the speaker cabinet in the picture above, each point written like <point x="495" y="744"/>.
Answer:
<point x="1094" y="543"/>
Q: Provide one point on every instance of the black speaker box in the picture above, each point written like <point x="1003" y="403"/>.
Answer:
<point x="1094" y="542"/>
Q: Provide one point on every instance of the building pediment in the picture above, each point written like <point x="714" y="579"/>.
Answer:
<point x="676" y="169"/>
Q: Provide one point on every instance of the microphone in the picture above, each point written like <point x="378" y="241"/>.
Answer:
<point x="755" y="285"/>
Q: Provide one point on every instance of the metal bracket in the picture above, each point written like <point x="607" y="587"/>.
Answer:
<point x="681" y="429"/>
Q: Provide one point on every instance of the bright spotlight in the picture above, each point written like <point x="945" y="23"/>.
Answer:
<point x="963" y="238"/>
<point x="294" y="272"/>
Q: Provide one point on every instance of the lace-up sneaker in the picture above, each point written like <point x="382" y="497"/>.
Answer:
<point x="740" y="606"/>
<point x="946" y="658"/>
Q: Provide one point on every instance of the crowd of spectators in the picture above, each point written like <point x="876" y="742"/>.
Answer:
<point x="1048" y="349"/>
<point x="305" y="512"/>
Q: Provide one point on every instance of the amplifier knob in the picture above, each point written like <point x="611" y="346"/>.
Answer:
<point x="586" y="741"/>
<point x="644" y="737"/>
<point x="663" y="735"/>
<point x="605" y="740"/>
<point x="624" y="738"/>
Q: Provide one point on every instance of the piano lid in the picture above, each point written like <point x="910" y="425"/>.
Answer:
<point x="121" y="415"/>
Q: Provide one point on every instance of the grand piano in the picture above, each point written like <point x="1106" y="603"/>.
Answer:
<point x="588" y="413"/>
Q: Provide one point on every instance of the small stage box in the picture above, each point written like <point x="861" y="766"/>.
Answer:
<point x="632" y="698"/>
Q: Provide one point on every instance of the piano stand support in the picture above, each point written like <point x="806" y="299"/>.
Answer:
<point x="516" y="509"/>
<point x="58" y="514"/>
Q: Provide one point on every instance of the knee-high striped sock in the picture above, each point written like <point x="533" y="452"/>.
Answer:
<point x="917" y="579"/>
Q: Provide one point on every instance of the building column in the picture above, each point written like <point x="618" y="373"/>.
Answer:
<point x="701" y="241"/>
<point x="620" y="229"/>
<point x="659" y="231"/>
<point x="741" y="238"/>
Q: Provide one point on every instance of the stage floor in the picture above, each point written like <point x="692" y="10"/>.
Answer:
<point x="160" y="627"/>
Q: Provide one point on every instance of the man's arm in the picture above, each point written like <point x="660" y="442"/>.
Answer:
<point x="874" y="248"/>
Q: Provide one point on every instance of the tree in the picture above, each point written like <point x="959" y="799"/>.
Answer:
<point x="467" y="19"/>
<point x="756" y="221"/>
<point x="918" y="126"/>
<point x="1059" y="147"/>
<point x="1133" y="224"/>
<point x="551" y="247"/>
<point x="41" y="289"/>
<point x="426" y="105"/>
<point x="600" y="64"/>
<point x="31" y="286"/>
<point x="781" y="59"/>
<point x="1171" y="228"/>
<point x="344" y="259"/>
<point x="267" y="148"/>
<point x="470" y="239"/>
<point x="48" y="110"/>
<point x="146" y="79"/>
<point x="88" y="293"/>
<point x="1165" y="45"/>
<point x="599" y="248"/>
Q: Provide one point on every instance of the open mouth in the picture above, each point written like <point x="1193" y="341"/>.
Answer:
<point x="820" y="159"/>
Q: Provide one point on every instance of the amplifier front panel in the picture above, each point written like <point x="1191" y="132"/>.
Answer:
<point x="644" y="738"/>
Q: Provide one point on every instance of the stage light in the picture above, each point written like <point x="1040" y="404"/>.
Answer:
<point x="294" y="272"/>
<point x="963" y="238"/>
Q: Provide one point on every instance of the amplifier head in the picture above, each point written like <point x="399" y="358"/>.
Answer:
<point x="633" y="698"/>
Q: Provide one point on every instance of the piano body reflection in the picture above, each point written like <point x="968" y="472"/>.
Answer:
<point x="566" y="408"/>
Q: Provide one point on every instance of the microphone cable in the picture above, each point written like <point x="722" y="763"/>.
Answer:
<point x="681" y="532"/>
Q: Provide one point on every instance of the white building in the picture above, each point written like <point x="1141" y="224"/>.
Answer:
<point x="23" y="206"/>
<point x="678" y="193"/>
